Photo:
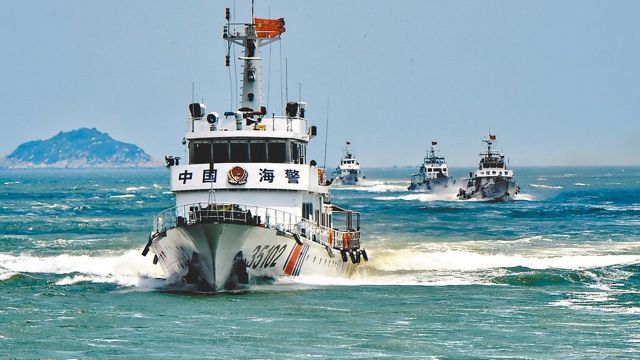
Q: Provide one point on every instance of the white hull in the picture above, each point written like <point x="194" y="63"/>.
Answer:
<point x="349" y="179"/>
<point x="431" y="184"/>
<point x="219" y="256"/>
<point x="502" y="190"/>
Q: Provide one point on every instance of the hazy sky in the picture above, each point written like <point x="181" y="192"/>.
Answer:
<point x="557" y="81"/>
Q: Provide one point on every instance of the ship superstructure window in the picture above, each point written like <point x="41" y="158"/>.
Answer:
<point x="221" y="151"/>
<point x="258" y="150"/>
<point x="277" y="151"/>
<point x="247" y="151"/>
<point x="298" y="152"/>
<point x="240" y="151"/>
<point x="200" y="152"/>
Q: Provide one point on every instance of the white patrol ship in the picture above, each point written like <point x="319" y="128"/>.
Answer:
<point x="492" y="181"/>
<point x="348" y="172"/>
<point x="433" y="172"/>
<point x="249" y="205"/>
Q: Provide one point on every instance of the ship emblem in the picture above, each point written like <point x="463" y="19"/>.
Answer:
<point x="237" y="175"/>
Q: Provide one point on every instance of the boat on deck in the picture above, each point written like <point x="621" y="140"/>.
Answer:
<point x="249" y="205"/>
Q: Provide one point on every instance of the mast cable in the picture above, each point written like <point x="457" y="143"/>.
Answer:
<point x="326" y="136"/>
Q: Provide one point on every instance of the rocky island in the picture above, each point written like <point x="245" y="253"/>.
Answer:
<point x="81" y="148"/>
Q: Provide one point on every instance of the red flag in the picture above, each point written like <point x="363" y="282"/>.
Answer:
<point x="269" y="28"/>
<point x="492" y="137"/>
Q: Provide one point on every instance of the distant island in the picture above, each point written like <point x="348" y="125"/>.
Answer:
<point x="81" y="148"/>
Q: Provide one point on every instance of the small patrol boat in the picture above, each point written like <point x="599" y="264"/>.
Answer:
<point x="433" y="172"/>
<point x="492" y="181"/>
<point x="348" y="172"/>
<point x="250" y="206"/>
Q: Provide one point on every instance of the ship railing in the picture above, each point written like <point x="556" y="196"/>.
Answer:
<point x="284" y="123"/>
<point x="341" y="238"/>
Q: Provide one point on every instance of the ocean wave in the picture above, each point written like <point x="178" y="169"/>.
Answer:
<point x="523" y="197"/>
<point x="125" y="268"/>
<point x="364" y="279"/>
<point x="39" y="205"/>
<point x="408" y="260"/>
<point x="136" y="188"/>
<point x="7" y="275"/>
<point x="545" y="186"/>
<point x="424" y="197"/>
<point x="124" y="196"/>
<point x="580" y="184"/>
<point x="375" y="186"/>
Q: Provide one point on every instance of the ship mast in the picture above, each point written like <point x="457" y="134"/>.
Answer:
<point x="258" y="33"/>
<point x="489" y="140"/>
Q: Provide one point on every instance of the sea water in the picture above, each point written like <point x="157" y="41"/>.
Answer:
<point x="553" y="274"/>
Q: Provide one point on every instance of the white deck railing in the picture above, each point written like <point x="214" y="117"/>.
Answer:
<point x="199" y="213"/>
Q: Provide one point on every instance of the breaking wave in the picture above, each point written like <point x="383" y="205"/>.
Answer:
<point x="124" y="196"/>
<point x="136" y="188"/>
<point x="375" y="186"/>
<point x="425" y="197"/>
<point x="459" y="260"/>
<point x="545" y="186"/>
<point x="125" y="269"/>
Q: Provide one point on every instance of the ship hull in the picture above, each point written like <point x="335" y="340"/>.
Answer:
<point x="349" y="179"/>
<point x="221" y="256"/>
<point x="499" y="191"/>
<point x="430" y="184"/>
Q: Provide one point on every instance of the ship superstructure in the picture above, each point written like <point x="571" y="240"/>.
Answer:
<point x="348" y="172"/>
<point x="249" y="203"/>
<point x="492" y="181"/>
<point x="433" y="172"/>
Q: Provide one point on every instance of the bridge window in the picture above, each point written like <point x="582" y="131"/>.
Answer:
<point x="277" y="151"/>
<point x="204" y="151"/>
<point x="200" y="152"/>
<point x="221" y="151"/>
<point x="298" y="152"/>
<point x="258" y="150"/>
<point x="239" y="151"/>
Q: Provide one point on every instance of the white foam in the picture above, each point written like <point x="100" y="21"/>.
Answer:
<point x="375" y="186"/>
<point x="125" y="196"/>
<point x="7" y="275"/>
<point x="410" y="260"/>
<point x="580" y="184"/>
<point x="126" y="268"/>
<point x="385" y="280"/>
<point x="424" y="197"/>
<point x="40" y="205"/>
<point x="545" y="186"/>
<point x="136" y="188"/>
<point x="523" y="197"/>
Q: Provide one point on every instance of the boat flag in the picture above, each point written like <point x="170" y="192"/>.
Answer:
<point x="492" y="137"/>
<point x="269" y="28"/>
<point x="434" y="143"/>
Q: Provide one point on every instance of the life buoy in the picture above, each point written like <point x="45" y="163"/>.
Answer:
<point x="331" y="238"/>
<point x="321" y="176"/>
<point x="346" y="239"/>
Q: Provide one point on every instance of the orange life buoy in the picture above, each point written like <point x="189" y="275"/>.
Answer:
<point x="346" y="238"/>
<point x="330" y="237"/>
